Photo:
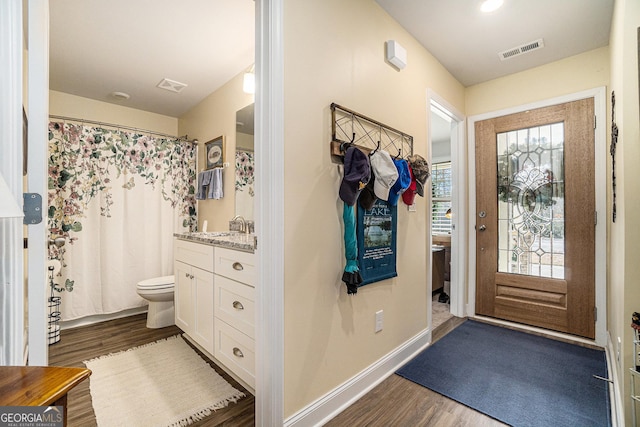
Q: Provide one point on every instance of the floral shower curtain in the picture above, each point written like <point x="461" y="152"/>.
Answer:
<point x="245" y="167"/>
<point x="117" y="198"/>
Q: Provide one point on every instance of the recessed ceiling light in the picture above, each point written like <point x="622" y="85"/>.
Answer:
<point x="120" y="95"/>
<point x="491" y="5"/>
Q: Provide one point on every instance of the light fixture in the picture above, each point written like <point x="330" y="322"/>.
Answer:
<point x="120" y="95"/>
<point x="9" y="208"/>
<point x="488" y="6"/>
<point x="249" y="81"/>
<point x="448" y="213"/>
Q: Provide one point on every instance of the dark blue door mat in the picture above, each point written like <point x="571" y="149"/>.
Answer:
<point x="515" y="377"/>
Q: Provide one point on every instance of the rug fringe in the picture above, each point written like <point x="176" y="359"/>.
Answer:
<point x="205" y="412"/>
<point x="105" y="356"/>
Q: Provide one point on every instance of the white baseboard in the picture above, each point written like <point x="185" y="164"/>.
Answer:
<point x="337" y="400"/>
<point x="615" y="396"/>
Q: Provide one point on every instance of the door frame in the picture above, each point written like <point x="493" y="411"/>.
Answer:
<point x="600" y="109"/>
<point x="458" y="207"/>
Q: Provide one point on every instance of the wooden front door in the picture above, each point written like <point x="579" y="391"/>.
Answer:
<point x="535" y="218"/>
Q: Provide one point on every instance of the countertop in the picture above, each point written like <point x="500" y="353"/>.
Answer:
<point x="225" y="239"/>
<point x="37" y="385"/>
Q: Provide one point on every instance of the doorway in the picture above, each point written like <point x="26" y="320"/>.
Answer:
<point x="446" y="204"/>
<point x="537" y="230"/>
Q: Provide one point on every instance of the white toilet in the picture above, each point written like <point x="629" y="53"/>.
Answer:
<point x="159" y="292"/>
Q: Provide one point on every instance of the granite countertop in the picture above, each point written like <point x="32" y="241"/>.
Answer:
<point x="225" y="239"/>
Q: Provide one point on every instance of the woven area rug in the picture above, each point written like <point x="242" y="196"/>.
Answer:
<point x="515" y="377"/>
<point x="165" y="383"/>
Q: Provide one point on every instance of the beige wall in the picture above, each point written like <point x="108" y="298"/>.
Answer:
<point x="215" y="116"/>
<point x="624" y="292"/>
<point x="574" y="74"/>
<point x="64" y="104"/>
<point x="335" y="53"/>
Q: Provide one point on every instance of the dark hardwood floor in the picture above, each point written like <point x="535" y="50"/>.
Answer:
<point x="394" y="402"/>
<point x="88" y="342"/>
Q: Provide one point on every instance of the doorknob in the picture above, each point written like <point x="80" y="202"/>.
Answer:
<point x="482" y="227"/>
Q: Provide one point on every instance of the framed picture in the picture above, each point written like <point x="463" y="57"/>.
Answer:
<point x="214" y="153"/>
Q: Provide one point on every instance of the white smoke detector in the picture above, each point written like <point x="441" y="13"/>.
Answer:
<point x="396" y="54"/>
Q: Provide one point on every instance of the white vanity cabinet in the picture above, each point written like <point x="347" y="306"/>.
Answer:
<point x="194" y="291"/>
<point x="234" y="311"/>
<point x="214" y="304"/>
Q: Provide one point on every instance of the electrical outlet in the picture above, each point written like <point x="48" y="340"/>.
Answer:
<point x="379" y="320"/>
<point x="412" y="208"/>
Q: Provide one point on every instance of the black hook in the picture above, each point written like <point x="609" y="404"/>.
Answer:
<point x="399" y="153"/>
<point x="376" y="149"/>
<point x="346" y="144"/>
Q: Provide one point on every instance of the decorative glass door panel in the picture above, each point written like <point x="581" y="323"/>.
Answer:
<point x="534" y="218"/>
<point x="531" y="201"/>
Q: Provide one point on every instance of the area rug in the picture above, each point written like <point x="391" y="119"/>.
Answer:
<point x="520" y="379"/>
<point x="165" y="383"/>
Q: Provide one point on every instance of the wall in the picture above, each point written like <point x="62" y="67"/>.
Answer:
<point x="64" y="104"/>
<point x="624" y="292"/>
<point x="215" y="116"/>
<point x="335" y="53"/>
<point x="574" y="74"/>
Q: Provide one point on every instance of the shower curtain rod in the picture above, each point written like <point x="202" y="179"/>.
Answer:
<point x="93" y="122"/>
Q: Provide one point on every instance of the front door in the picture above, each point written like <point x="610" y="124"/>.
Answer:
<point x="535" y="218"/>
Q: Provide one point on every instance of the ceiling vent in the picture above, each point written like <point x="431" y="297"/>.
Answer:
<point x="521" y="50"/>
<point x="171" y="85"/>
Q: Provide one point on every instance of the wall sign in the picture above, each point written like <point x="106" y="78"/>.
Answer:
<point x="376" y="235"/>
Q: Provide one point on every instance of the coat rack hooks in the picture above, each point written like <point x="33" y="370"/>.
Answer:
<point x="376" y="149"/>
<point x="351" y="128"/>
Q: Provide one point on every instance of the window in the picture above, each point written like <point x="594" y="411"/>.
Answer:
<point x="441" y="198"/>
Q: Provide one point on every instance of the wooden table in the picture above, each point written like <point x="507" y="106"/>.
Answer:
<point x="39" y="385"/>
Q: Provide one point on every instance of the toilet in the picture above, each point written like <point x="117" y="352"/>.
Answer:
<point x="159" y="292"/>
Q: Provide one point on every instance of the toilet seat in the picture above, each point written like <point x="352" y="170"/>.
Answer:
<point x="157" y="283"/>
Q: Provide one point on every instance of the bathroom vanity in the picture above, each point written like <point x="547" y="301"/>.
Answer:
<point x="214" y="298"/>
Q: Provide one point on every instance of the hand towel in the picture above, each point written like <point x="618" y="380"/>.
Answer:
<point x="204" y="181"/>
<point x="215" y="188"/>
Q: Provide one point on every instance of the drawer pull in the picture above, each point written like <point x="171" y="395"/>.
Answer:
<point x="238" y="305"/>
<point x="237" y="352"/>
<point x="237" y="266"/>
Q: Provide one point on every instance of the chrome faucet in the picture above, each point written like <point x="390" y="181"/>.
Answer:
<point x="243" y="227"/>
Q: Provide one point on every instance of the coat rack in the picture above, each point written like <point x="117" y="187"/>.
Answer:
<point x="349" y="127"/>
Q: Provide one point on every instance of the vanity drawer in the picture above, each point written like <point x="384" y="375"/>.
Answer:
<point x="196" y="254"/>
<point x="234" y="303"/>
<point x="236" y="265"/>
<point x="236" y="351"/>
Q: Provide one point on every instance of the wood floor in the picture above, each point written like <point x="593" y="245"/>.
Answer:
<point x="88" y="342"/>
<point x="394" y="402"/>
<point x="399" y="402"/>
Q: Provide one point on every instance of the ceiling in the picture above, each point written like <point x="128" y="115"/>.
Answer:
<point x="467" y="41"/>
<point x="99" y="47"/>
